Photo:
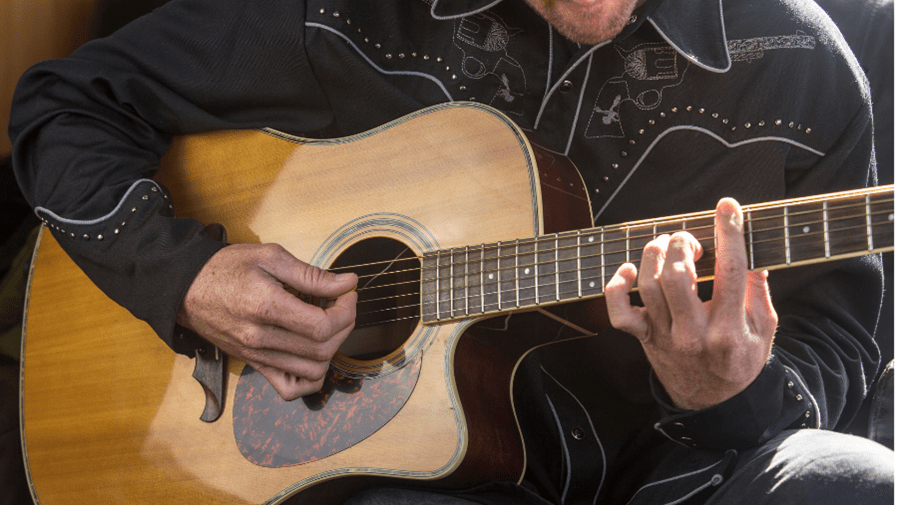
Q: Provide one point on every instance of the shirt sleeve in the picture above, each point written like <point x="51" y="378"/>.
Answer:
<point x="824" y="357"/>
<point x="89" y="131"/>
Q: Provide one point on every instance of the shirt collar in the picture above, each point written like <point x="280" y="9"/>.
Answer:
<point x="694" y="28"/>
<point x="451" y="9"/>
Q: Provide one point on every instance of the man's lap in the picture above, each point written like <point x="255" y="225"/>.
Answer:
<point x="805" y="466"/>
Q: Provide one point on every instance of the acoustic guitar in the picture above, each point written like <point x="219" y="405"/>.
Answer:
<point x="415" y="396"/>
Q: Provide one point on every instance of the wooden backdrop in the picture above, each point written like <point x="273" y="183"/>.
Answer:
<point x="31" y="31"/>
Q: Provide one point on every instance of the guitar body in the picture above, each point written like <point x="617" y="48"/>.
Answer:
<point x="111" y="415"/>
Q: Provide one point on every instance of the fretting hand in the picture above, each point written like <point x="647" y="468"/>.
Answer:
<point x="238" y="303"/>
<point x="702" y="352"/>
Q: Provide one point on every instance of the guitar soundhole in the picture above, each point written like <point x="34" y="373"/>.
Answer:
<point x="388" y="307"/>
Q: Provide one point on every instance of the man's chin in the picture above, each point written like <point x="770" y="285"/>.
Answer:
<point x="590" y="37"/>
<point x="586" y="21"/>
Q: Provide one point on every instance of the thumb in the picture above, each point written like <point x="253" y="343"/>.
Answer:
<point x="307" y="279"/>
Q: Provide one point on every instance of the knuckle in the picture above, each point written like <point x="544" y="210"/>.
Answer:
<point x="295" y="391"/>
<point x="261" y="308"/>
<point x="315" y="387"/>
<point x="272" y="251"/>
<point x="311" y="275"/>
<point x="670" y="276"/>
<point x="657" y="245"/>
<point x="321" y="353"/>
<point x="686" y="347"/>
<point x="318" y="373"/>
<point x="323" y="330"/>
<point x="678" y="273"/>
<point x="251" y="338"/>
<point x="732" y="265"/>
<point x="681" y="238"/>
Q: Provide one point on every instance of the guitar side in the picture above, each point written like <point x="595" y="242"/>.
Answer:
<point x="110" y="414"/>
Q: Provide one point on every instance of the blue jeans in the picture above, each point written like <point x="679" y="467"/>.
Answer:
<point x="797" y="467"/>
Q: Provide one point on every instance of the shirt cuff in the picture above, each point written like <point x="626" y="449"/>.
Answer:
<point x="775" y="401"/>
<point x="141" y="256"/>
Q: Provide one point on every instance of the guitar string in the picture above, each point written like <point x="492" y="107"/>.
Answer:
<point x="557" y="294"/>
<point x="536" y="265"/>
<point x="555" y="289"/>
<point x="666" y="221"/>
<point x="573" y="235"/>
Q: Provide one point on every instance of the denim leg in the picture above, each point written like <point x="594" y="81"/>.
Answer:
<point x="811" y="466"/>
<point x="492" y="493"/>
<point x="796" y="467"/>
<point x="395" y="496"/>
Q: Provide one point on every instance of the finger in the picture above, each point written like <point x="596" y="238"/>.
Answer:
<point x="305" y="278"/>
<point x="678" y="281"/>
<point x="623" y="315"/>
<point x="651" y="292"/>
<point x="729" y="293"/>
<point x="759" y="306"/>
<point x="298" y="356"/>
<point x="283" y="310"/>
<point x="340" y="314"/>
<point x="289" y="386"/>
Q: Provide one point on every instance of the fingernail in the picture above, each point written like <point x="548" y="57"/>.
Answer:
<point x="735" y="220"/>
<point x="343" y="277"/>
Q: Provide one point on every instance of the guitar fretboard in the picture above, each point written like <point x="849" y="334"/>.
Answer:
<point x="525" y="273"/>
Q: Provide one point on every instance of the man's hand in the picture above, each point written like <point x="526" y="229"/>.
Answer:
<point x="238" y="302"/>
<point x="703" y="353"/>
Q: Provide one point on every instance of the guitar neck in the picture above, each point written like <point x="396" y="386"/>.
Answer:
<point x="550" y="269"/>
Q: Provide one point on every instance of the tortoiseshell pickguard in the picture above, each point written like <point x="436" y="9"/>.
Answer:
<point x="273" y="433"/>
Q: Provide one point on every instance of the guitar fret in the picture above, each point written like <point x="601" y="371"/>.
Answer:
<point x="848" y="227"/>
<point x="826" y="231"/>
<point x="767" y="238"/>
<point x="452" y="279"/>
<point x="806" y="232"/>
<point x="882" y="220"/>
<point x="536" y="278"/>
<point x="428" y="280"/>
<point x="559" y="256"/>
<point x="751" y="244"/>
<point x="868" y="222"/>
<point x="602" y="256"/>
<point x="627" y="244"/>
<point x="703" y="229"/>
<point x="580" y="276"/>
<point x="715" y="235"/>
<point x="614" y="245"/>
<point x="655" y="232"/>
<point x="547" y="269"/>
<point x="787" y="234"/>
<point x="460" y="280"/>
<point x="517" y="290"/>
<point x="499" y="284"/>
<point x="437" y="289"/>
<point x="483" y="304"/>
<point x="558" y="297"/>
<point x="466" y="280"/>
